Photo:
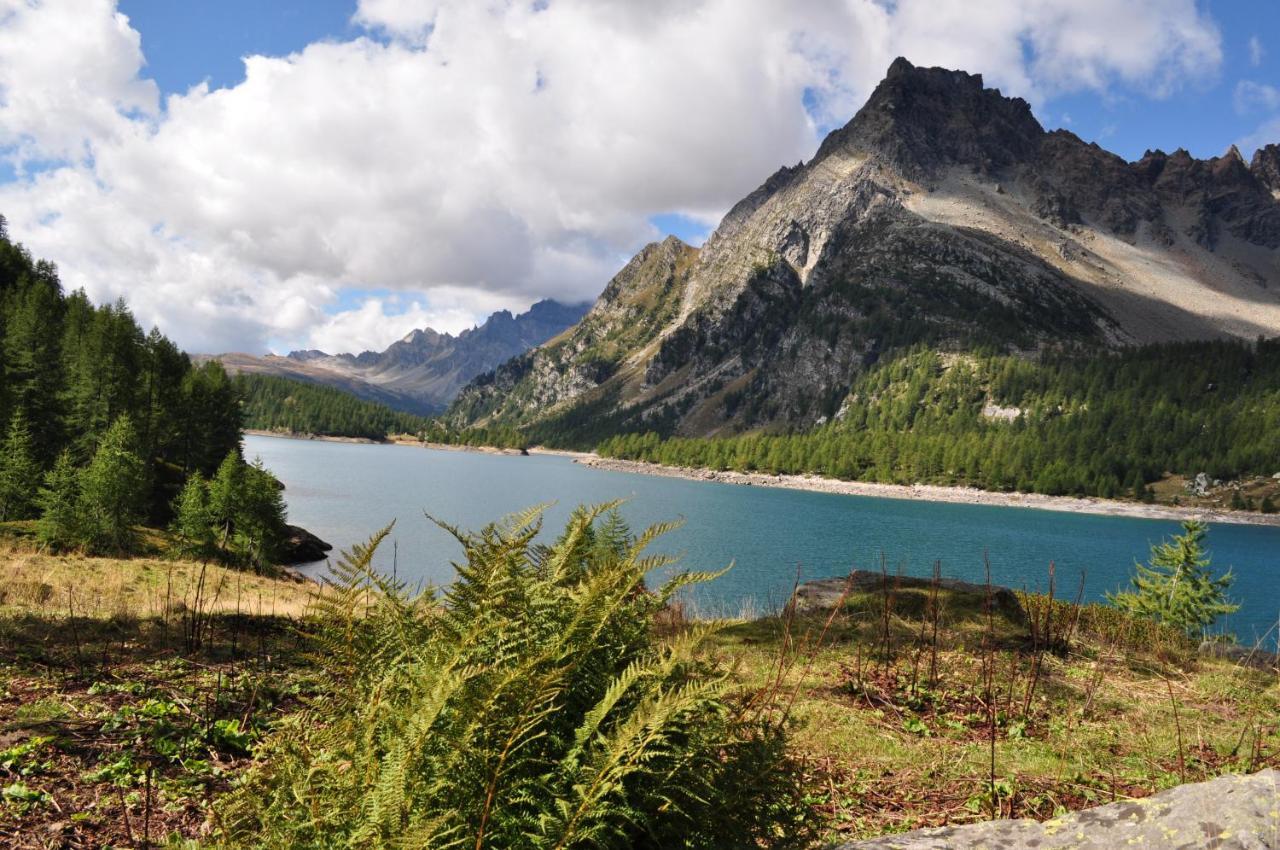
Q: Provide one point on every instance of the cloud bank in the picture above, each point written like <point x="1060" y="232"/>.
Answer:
<point x="475" y="155"/>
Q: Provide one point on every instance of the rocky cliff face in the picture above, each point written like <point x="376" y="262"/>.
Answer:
<point x="423" y="372"/>
<point x="943" y="215"/>
<point x="1266" y="167"/>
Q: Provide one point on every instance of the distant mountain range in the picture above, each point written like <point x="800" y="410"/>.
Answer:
<point x="943" y="215"/>
<point x="424" y="371"/>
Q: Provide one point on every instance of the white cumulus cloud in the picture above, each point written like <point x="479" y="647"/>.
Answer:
<point x="472" y="155"/>
<point x="1253" y="97"/>
<point x="68" y="78"/>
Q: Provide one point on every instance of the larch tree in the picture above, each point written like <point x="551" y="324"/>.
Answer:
<point x="59" y="503"/>
<point x="113" y="489"/>
<point x="225" y="492"/>
<point x="192" y="524"/>
<point x="19" y="471"/>
<point x="1178" y="587"/>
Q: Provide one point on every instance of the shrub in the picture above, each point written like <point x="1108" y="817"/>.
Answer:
<point x="533" y="706"/>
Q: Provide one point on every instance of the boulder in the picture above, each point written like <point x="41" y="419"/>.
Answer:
<point x="1244" y="655"/>
<point x="1199" y="486"/>
<point x="302" y="547"/>
<point x="1227" y="813"/>
<point x="823" y="594"/>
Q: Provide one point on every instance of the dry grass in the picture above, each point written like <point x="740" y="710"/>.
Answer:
<point x="62" y="585"/>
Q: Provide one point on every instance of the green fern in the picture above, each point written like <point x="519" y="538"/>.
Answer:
<point x="531" y="705"/>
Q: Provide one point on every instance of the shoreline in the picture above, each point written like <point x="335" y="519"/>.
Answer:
<point x="818" y="484"/>
<point x="323" y="438"/>
<point x="391" y="440"/>
<point x="934" y="493"/>
<point x="407" y="440"/>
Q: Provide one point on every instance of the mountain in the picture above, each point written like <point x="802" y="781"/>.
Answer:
<point x="942" y="215"/>
<point x="422" y="372"/>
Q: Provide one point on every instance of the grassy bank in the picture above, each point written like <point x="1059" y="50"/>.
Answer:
<point x="914" y="708"/>
<point x="132" y="693"/>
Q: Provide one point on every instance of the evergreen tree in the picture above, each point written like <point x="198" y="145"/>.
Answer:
<point x="33" y="362"/>
<point x="225" y="492"/>
<point x="19" y="472"/>
<point x="59" y="503"/>
<point x="192" y="525"/>
<point x="260" y="517"/>
<point x="113" y="489"/>
<point x="1177" y="587"/>
<point x="210" y="423"/>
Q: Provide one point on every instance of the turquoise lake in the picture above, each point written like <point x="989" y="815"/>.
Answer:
<point x="345" y="492"/>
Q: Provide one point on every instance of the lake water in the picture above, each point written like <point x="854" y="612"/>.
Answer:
<point x="345" y="492"/>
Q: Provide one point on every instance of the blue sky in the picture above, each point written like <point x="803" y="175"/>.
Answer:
<point x="189" y="41"/>
<point x="374" y="168"/>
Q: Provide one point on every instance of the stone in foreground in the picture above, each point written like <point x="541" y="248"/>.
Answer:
<point x="1227" y="813"/>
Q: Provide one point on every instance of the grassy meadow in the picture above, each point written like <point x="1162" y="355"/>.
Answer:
<point x="134" y="693"/>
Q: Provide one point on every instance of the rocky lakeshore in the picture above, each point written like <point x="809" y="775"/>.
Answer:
<point x="934" y="493"/>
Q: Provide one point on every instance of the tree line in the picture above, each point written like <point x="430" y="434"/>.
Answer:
<point x="272" y="403"/>
<point x="1066" y="423"/>
<point x="103" y="425"/>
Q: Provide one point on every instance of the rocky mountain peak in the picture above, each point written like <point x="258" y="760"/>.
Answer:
<point x="422" y="336"/>
<point x="923" y="119"/>
<point x="497" y="319"/>
<point x="1266" y="167"/>
<point x="636" y="273"/>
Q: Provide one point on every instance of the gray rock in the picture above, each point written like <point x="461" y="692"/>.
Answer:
<point x="302" y="547"/>
<point x="1199" y="485"/>
<point x="1266" y="166"/>
<point x="1227" y="813"/>
<point x="1244" y="655"/>
<point x="823" y="594"/>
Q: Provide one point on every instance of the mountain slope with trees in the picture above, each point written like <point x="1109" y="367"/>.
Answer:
<point x="1080" y="424"/>
<point x="278" y="404"/>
